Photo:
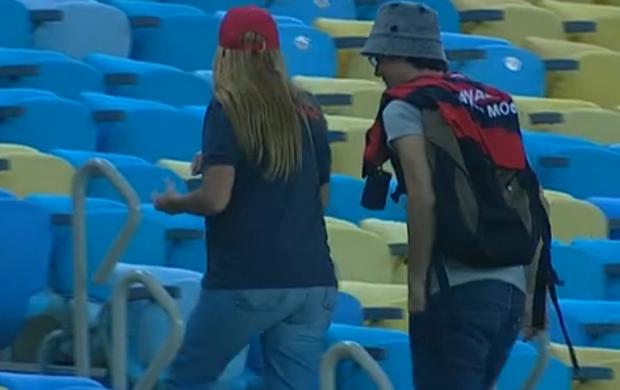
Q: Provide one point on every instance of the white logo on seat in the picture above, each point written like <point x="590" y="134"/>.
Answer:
<point x="302" y="42"/>
<point x="513" y="63"/>
<point x="322" y="3"/>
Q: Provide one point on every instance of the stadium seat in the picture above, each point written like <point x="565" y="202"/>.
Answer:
<point x="347" y="97"/>
<point x="6" y="149"/>
<point x="381" y="295"/>
<point x="588" y="23"/>
<point x="309" y="10"/>
<point x="396" y="236"/>
<point x="15" y="381"/>
<point x="307" y="51"/>
<point x="557" y="374"/>
<point x="210" y="7"/>
<point x="359" y="255"/>
<point x="33" y="173"/>
<point x="578" y="70"/>
<point x="181" y="168"/>
<point x="51" y="71"/>
<point x="599" y="358"/>
<point x="589" y="323"/>
<point x="171" y="34"/>
<point x="605" y="252"/>
<point x="583" y="275"/>
<point x="512" y="20"/>
<point x="345" y="195"/>
<point x="24" y="266"/>
<point x="146" y="80"/>
<point x="6" y="194"/>
<point x="279" y="19"/>
<point x="44" y="121"/>
<point x="81" y="28"/>
<point x="148" y="129"/>
<point x="348" y="36"/>
<point x="78" y="157"/>
<point x="573" y="218"/>
<point x="15" y="26"/>
<point x="447" y="13"/>
<point x="611" y="208"/>
<point x="185" y="239"/>
<point x="346" y="155"/>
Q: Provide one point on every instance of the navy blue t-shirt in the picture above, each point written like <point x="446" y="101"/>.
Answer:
<point x="272" y="234"/>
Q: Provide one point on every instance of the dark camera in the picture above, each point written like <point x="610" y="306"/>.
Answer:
<point x="376" y="190"/>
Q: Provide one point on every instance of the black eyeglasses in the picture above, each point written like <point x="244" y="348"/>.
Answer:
<point x="374" y="61"/>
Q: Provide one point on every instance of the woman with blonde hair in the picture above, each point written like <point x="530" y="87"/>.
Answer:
<point x="265" y="175"/>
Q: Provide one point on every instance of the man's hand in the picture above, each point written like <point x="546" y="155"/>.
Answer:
<point x="196" y="166"/>
<point x="529" y="333"/>
<point x="417" y="293"/>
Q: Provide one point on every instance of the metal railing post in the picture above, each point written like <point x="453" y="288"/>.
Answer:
<point x="80" y="274"/>
<point x="119" y="331"/>
<point x="543" y="345"/>
<point x="354" y="351"/>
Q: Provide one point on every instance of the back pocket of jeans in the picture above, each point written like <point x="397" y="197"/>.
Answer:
<point x="259" y="300"/>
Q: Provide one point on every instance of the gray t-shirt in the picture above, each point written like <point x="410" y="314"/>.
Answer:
<point x="401" y="119"/>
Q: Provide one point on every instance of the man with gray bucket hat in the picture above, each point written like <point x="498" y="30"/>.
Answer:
<point x="479" y="234"/>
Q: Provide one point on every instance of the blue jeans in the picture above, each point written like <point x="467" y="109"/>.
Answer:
<point x="462" y="340"/>
<point x="291" y="324"/>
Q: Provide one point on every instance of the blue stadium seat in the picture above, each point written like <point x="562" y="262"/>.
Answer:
<point x="51" y="71"/>
<point x="611" y="209"/>
<point x="79" y="157"/>
<point x="14" y="24"/>
<point x="582" y="273"/>
<point x="309" y="10"/>
<point x="503" y="66"/>
<point x="197" y="112"/>
<point x="279" y="19"/>
<point x="145" y="80"/>
<point x="348" y="311"/>
<point x="520" y="362"/>
<point x="456" y="40"/>
<point x="605" y="253"/>
<point x="24" y="266"/>
<point x="185" y="239"/>
<point x="144" y="178"/>
<point x="448" y="15"/>
<point x="15" y="381"/>
<point x="6" y="194"/>
<point x="586" y="173"/>
<point x="589" y="323"/>
<point x="394" y="356"/>
<point x="44" y="121"/>
<point x="150" y="130"/>
<point x="211" y="7"/>
<point x="82" y="28"/>
<point x="307" y="51"/>
<point x="345" y="197"/>
<point x="171" y="34"/>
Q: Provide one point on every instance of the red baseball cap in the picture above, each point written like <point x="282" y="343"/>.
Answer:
<point x="240" y="20"/>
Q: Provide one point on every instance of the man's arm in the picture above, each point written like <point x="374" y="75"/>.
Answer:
<point x="403" y="126"/>
<point x="411" y="151"/>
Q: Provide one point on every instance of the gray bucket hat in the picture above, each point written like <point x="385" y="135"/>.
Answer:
<point x="405" y="29"/>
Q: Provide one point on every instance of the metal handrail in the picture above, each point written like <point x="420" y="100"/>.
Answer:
<point x="80" y="283"/>
<point x="119" y="330"/>
<point x="543" y="345"/>
<point x="351" y="350"/>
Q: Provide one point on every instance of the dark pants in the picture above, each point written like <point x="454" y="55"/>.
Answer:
<point x="462" y="340"/>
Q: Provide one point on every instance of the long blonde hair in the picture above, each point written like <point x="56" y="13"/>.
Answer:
<point x="263" y="106"/>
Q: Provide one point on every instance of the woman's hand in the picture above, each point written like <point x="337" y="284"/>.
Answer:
<point x="166" y="201"/>
<point x="196" y="166"/>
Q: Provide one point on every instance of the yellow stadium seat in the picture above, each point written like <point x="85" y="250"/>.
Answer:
<point x="359" y="255"/>
<point x="347" y="156"/>
<point x="579" y="70"/>
<point x="348" y="35"/>
<point x="530" y="104"/>
<point x="6" y="149"/>
<point x="381" y="295"/>
<point x="591" y="357"/>
<point x="31" y="173"/>
<point x="395" y="235"/>
<point x="557" y="194"/>
<point x="181" y="168"/>
<point x="594" y="124"/>
<point x="331" y="221"/>
<point x="587" y="23"/>
<point x="349" y="97"/>
<point x="513" y="20"/>
<point x="572" y="218"/>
